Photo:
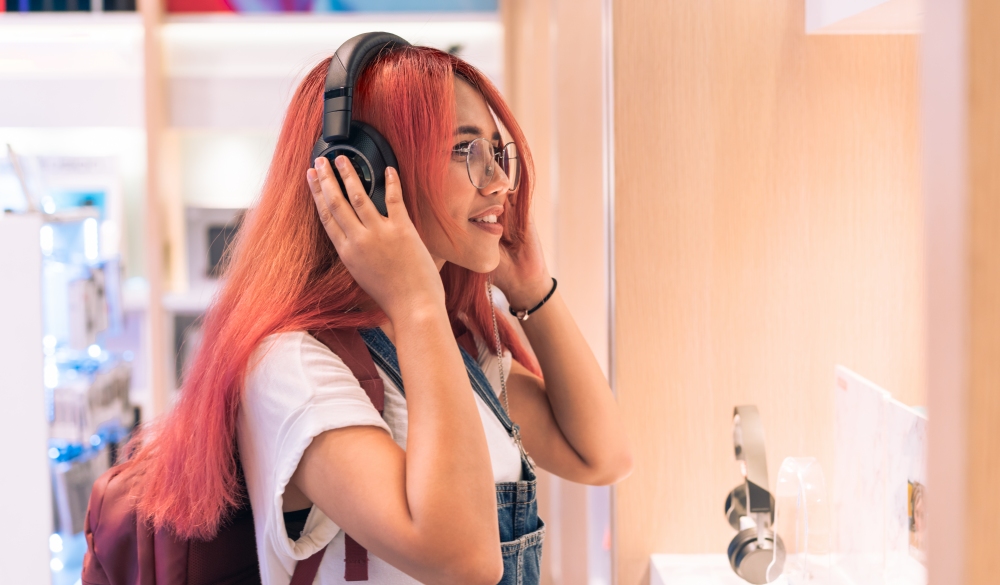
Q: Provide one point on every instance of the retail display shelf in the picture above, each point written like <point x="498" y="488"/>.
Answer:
<point x="278" y="45"/>
<point x="191" y="301"/>
<point x="79" y="17"/>
<point x="195" y="300"/>
<point x="40" y="28"/>
<point x="220" y="29"/>
<point x="331" y="17"/>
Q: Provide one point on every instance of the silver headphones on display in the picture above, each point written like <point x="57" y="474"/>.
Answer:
<point x="756" y="554"/>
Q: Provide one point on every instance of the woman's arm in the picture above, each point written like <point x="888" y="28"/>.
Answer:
<point x="429" y="510"/>
<point x="569" y="422"/>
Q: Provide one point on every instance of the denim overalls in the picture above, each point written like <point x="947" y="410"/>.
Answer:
<point x="521" y="530"/>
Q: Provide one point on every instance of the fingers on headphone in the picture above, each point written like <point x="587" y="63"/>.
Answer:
<point x="327" y="186"/>
<point x="394" y="194"/>
<point x="325" y="205"/>
<point x="356" y="193"/>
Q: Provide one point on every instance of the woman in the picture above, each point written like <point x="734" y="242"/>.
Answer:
<point x="424" y="487"/>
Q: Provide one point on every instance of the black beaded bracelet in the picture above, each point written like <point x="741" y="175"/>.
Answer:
<point x="523" y="315"/>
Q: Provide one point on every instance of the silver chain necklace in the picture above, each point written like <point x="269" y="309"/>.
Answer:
<point x="503" y="382"/>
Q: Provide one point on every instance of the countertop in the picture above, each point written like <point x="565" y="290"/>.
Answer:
<point x="708" y="569"/>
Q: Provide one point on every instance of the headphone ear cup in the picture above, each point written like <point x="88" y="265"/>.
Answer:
<point x="736" y="505"/>
<point x="318" y="149"/>
<point x="755" y="562"/>
<point x="370" y="154"/>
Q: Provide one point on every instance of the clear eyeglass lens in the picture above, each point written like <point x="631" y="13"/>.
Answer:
<point x="510" y="164"/>
<point x="483" y="160"/>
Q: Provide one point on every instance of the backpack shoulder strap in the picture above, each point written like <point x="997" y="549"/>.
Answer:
<point x="350" y="347"/>
<point x="467" y="342"/>
<point x="466" y="339"/>
<point x="306" y="569"/>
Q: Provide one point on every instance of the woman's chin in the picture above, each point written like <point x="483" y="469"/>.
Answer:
<point x="483" y="265"/>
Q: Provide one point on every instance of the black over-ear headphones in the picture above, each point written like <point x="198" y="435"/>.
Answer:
<point x="756" y="553"/>
<point x="367" y="150"/>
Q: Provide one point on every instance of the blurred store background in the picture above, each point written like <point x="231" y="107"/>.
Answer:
<point x="736" y="198"/>
<point x="132" y="139"/>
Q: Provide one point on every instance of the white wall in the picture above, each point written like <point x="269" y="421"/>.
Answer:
<point x="25" y="489"/>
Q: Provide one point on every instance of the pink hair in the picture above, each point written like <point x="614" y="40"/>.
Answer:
<point x="284" y="275"/>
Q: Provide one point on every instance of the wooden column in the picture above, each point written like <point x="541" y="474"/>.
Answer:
<point x="944" y="120"/>
<point x="156" y="122"/>
<point x="528" y="90"/>
<point x="962" y="120"/>
<point x="556" y="86"/>
<point x="581" y="243"/>
<point x="982" y="536"/>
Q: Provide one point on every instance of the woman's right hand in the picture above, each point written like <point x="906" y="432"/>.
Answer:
<point x="385" y="255"/>
<point x="389" y="499"/>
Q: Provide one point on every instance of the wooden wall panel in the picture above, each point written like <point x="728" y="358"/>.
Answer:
<point x="983" y="461"/>
<point x="768" y="227"/>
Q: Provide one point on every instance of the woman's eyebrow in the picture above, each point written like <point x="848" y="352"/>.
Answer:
<point x="475" y="131"/>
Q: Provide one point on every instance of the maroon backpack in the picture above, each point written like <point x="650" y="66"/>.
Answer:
<point x="121" y="551"/>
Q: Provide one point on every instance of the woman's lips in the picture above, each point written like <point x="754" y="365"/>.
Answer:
<point x="494" y="228"/>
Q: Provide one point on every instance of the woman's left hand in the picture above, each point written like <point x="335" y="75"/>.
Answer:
<point x="523" y="276"/>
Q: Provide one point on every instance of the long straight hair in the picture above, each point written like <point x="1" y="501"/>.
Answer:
<point x="284" y="275"/>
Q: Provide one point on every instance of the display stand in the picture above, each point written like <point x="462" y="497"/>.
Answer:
<point x="802" y="520"/>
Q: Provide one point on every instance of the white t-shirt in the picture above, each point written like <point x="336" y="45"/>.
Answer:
<point x="296" y="389"/>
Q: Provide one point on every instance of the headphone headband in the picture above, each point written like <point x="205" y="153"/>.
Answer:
<point x="347" y="64"/>
<point x="748" y="442"/>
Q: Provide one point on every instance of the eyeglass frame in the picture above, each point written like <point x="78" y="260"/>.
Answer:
<point x="467" y="150"/>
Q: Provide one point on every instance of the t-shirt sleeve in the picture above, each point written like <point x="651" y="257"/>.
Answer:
<point x="299" y="389"/>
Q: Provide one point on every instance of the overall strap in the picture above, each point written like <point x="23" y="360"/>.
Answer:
<point x="483" y="387"/>
<point x="384" y="354"/>
<point x="348" y="345"/>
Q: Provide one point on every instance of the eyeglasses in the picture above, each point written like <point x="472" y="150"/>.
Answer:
<point x="482" y="159"/>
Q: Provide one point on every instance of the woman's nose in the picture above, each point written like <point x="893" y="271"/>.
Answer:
<point x="499" y="182"/>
